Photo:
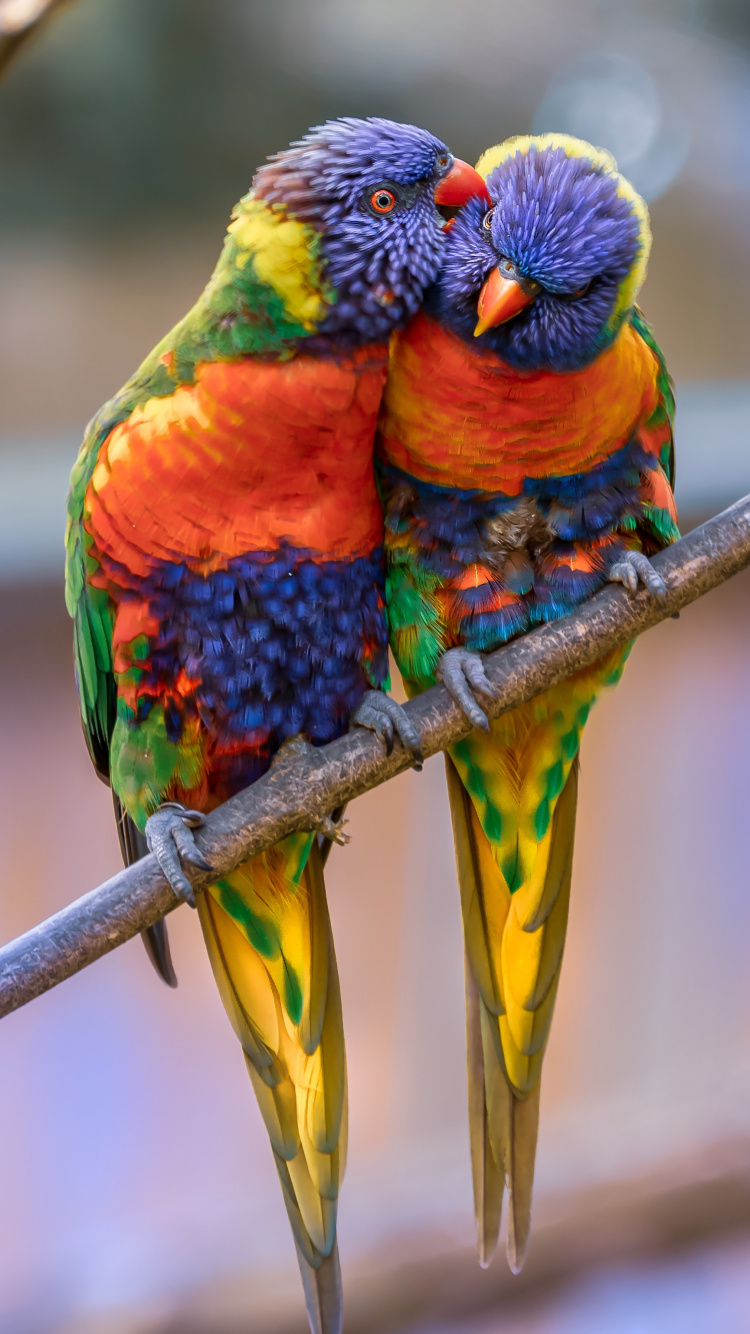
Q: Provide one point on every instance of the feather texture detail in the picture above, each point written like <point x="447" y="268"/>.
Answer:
<point x="225" y="574"/>
<point x="522" y="458"/>
<point x="477" y="431"/>
<point x="269" y="940"/>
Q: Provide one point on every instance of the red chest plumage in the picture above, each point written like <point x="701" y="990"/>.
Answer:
<point x="250" y="455"/>
<point x="462" y="418"/>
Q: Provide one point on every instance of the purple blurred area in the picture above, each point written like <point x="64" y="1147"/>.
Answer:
<point x="138" y="1191"/>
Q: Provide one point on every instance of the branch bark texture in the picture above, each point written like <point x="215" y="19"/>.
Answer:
<point x="300" y="790"/>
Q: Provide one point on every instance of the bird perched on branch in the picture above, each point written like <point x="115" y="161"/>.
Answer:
<point x="225" y="575"/>
<point x="526" y="458"/>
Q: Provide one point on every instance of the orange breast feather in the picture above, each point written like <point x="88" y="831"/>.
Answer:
<point x="250" y="455"/>
<point x="462" y="418"/>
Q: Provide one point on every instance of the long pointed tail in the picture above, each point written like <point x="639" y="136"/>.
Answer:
<point x="514" y="943"/>
<point x="269" y="940"/>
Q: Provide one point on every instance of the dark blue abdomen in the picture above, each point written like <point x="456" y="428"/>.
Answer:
<point x="274" y="645"/>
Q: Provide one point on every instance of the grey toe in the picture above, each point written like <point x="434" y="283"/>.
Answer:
<point x="386" y="718"/>
<point x="188" y="849"/>
<point x="169" y="836"/>
<point x="633" y="568"/>
<point x="462" y="673"/>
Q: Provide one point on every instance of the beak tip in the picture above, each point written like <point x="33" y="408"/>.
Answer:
<point x="459" y="185"/>
<point x="500" y="300"/>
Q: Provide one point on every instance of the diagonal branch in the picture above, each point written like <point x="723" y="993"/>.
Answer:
<point x="297" y="793"/>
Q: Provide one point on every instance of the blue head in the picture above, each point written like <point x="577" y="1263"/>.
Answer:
<point x="554" y="266"/>
<point x="370" y="189"/>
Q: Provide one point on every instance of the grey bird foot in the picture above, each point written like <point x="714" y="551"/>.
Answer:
<point x="633" y="568"/>
<point x="169" y="837"/>
<point x="462" y="673"/>
<point x="383" y="716"/>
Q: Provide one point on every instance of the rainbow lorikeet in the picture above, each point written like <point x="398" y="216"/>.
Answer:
<point x="225" y="573"/>
<point x="525" y="458"/>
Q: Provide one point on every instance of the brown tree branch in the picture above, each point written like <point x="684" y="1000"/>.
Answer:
<point x="20" y="20"/>
<point x="296" y="793"/>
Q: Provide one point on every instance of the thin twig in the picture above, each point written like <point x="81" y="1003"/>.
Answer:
<point x="295" y="794"/>
<point x="20" y="20"/>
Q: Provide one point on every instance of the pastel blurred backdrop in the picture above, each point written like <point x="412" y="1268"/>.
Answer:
<point x="138" y="1193"/>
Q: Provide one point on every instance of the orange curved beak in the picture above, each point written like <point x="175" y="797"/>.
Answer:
<point x="499" y="300"/>
<point x="460" y="184"/>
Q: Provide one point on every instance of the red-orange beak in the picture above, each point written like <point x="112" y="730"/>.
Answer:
<point x="499" y="300"/>
<point x="459" y="185"/>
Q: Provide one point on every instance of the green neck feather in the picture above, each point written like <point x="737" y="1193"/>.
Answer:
<point x="267" y="292"/>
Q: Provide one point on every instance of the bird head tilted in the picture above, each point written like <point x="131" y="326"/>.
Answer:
<point x="548" y="274"/>
<point x="366" y="190"/>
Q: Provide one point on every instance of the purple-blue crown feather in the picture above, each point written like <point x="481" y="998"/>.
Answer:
<point x="562" y="222"/>
<point x="379" y="266"/>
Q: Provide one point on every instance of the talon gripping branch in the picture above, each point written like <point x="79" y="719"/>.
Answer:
<point x="525" y="459"/>
<point x="225" y="576"/>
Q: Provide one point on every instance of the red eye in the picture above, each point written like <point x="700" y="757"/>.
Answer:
<point x="383" y="201"/>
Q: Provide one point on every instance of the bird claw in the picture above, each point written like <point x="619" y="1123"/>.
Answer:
<point x="634" y="568"/>
<point x="461" y="671"/>
<point x="169" y="837"/>
<point x="386" y="718"/>
<point x="333" y="830"/>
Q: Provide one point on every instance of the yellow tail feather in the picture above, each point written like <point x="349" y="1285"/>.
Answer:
<point x="269" y="940"/>
<point x="514" y="944"/>
<point x="488" y="1179"/>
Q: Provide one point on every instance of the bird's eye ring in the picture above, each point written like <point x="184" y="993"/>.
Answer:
<point x="382" y="200"/>
<point x="443" y="161"/>
<point x="487" y="220"/>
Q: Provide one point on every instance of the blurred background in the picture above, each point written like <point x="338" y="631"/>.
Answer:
<point x="138" y="1193"/>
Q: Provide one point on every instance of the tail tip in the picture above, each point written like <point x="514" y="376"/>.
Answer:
<point x="486" y="1248"/>
<point x="156" y="941"/>
<point x="516" y="1257"/>
<point x="323" y="1294"/>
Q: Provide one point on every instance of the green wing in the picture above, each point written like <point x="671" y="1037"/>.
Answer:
<point x="91" y="607"/>
<point x="92" y="614"/>
<point x="665" y="409"/>
<point x="239" y="314"/>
